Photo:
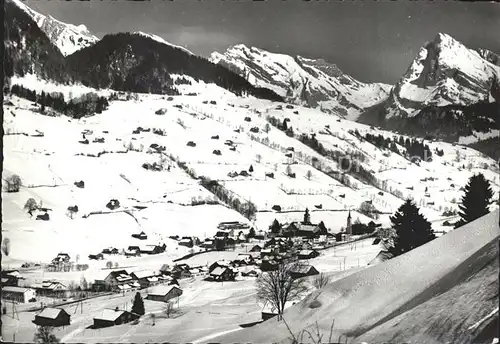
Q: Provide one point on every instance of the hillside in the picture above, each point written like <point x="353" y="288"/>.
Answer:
<point x="155" y="171"/>
<point x="383" y="302"/>
<point x="310" y="82"/>
<point x="134" y="62"/>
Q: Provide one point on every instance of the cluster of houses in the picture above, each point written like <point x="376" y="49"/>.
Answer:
<point x="11" y="290"/>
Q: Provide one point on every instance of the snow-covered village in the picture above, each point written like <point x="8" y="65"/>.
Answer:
<point x="153" y="192"/>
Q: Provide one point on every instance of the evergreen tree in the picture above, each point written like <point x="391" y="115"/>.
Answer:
<point x="250" y="169"/>
<point x="411" y="229"/>
<point x="476" y="200"/>
<point x="275" y="227"/>
<point x="322" y="228"/>
<point x="138" y="305"/>
<point x="251" y="233"/>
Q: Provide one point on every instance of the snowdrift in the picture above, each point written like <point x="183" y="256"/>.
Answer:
<point x="360" y="302"/>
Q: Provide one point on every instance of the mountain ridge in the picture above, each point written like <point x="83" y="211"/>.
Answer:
<point x="303" y="81"/>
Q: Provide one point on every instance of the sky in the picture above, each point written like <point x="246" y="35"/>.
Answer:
<point x="373" y="41"/>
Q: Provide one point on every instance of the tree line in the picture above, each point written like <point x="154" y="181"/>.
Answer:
<point x="84" y="105"/>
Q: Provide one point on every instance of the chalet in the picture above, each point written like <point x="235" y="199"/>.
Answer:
<point x="117" y="278"/>
<point x="150" y="249"/>
<point x="245" y="258"/>
<point x="110" y="250"/>
<point x="140" y="236"/>
<point x="219" y="264"/>
<point x="110" y="317"/>
<point x="256" y="248"/>
<point x="10" y="278"/>
<point x="145" y="278"/>
<point x="98" y="256"/>
<point x="222" y="274"/>
<point x="181" y="271"/>
<point x="23" y="295"/>
<point x="53" y="317"/>
<point x="308" y="254"/>
<point x="168" y="280"/>
<point x="186" y="241"/>
<point x="208" y="244"/>
<point x="132" y="252"/>
<point x="50" y="287"/>
<point x="61" y="258"/>
<point x="303" y="271"/>
<point x="164" y="293"/>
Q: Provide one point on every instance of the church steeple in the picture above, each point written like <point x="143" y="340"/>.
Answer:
<point x="349" y="224"/>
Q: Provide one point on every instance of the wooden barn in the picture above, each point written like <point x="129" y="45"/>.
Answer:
<point x="164" y="293"/>
<point x="113" y="317"/>
<point x="52" y="317"/>
<point x="303" y="271"/>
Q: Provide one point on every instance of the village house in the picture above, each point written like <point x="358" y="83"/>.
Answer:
<point x="61" y="258"/>
<point x="98" y="256"/>
<point x="150" y="249"/>
<point x="308" y="254"/>
<point x="113" y="317"/>
<point x="145" y="278"/>
<point x="181" y="271"/>
<point x="303" y="271"/>
<point x="110" y="250"/>
<point x="219" y="263"/>
<point x="10" y="277"/>
<point x="18" y="294"/>
<point x="52" y="317"/>
<point x="246" y="259"/>
<point x="186" y="241"/>
<point x="165" y="270"/>
<point x="220" y="274"/>
<point x="50" y="288"/>
<point x="164" y="293"/>
<point x="140" y="236"/>
<point x="132" y="251"/>
<point x="208" y="244"/>
<point x="117" y="278"/>
<point x="256" y="248"/>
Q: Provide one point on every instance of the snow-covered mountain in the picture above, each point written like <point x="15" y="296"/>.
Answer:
<point x="445" y="72"/>
<point x="449" y="92"/>
<point x="310" y="82"/>
<point x="68" y="38"/>
<point x="161" y="40"/>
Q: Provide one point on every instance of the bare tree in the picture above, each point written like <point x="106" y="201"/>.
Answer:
<point x="321" y="280"/>
<point x="30" y="205"/>
<point x="278" y="287"/>
<point x="77" y="258"/>
<point x="309" y="174"/>
<point x="13" y="183"/>
<point x="45" y="335"/>
<point x="288" y="170"/>
<point x="109" y="264"/>
<point x="168" y="309"/>
<point x="6" y="246"/>
<point x="116" y="264"/>
<point x="83" y="283"/>
<point x="258" y="157"/>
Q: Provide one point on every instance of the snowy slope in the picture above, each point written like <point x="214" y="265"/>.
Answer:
<point x="379" y="293"/>
<point x="161" y="40"/>
<point x="311" y="82"/>
<point x="113" y="169"/>
<point x="68" y="38"/>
